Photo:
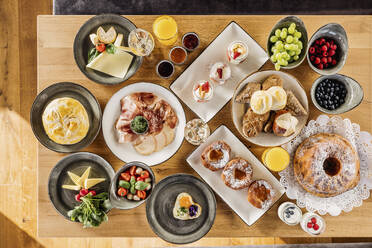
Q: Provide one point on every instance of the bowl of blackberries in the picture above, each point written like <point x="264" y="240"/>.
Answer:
<point x="327" y="49"/>
<point x="336" y="94"/>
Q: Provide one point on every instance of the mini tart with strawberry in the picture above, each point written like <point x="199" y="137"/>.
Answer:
<point x="237" y="52"/>
<point x="219" y="73"/>
<point x="202" y="91"/>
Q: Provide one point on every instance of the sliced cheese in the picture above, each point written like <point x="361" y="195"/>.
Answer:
<point x="116" y="64"/>
<point x="84" y="177"/>
<point x="119" y="40"/>
<point x="88" y="183"/>
<point x="75" y="178"/>
<point x="71" y="187"/>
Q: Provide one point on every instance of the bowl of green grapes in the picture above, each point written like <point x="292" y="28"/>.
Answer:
<point x="287" y="43"/>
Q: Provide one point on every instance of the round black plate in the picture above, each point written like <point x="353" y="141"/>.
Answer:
<point x="65" y="89"/>
<point x="82" y="45"/>
<point x="63" y="200"/>
<point x="159" y="209"/>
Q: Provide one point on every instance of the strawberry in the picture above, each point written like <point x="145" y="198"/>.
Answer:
<point x="219" y="71"/>
<point x="236" y="54"/>
<point x="205" y="87"/>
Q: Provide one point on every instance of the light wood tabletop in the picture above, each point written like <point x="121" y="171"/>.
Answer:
<point x="56" y="63"/>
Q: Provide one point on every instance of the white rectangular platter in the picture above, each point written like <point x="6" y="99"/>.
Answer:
<point x="236" y="199"/>
<point x="216" y="52"/>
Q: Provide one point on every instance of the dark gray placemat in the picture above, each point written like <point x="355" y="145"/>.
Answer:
<point x="328" y="245"/>
<point x="172" y="7"/>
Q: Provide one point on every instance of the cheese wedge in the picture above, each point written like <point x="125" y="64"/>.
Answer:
<point x="84" y="177"/>
<point x="88" y="183"/>
<point x="71" y="187"/>
<point x="75" y="178"/>
<point x="119" y="40"/>
<point x="116" y="64"/>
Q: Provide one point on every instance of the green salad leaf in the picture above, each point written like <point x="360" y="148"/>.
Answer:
<point x="92" y="211"/>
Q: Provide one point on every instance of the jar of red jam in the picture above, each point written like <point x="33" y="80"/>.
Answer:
<point x="178" y="55"/>
<point x="190" y="41"/>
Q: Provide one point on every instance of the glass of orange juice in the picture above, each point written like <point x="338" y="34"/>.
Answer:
<point x="165" y="30"/>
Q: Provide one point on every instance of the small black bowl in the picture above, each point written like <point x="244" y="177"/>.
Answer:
<point x="82" y="45"/>
<point x="122" y="202"/>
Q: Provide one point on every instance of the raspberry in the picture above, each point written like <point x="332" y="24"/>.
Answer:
<point x="313" y="220"/>
<point x="334" y="62"/>
<point x="317" y="60"/>
<point x="219" y="71"/>
<point x="309" y="225"/>
<point x="324" y="60"/>
<point x="236" y="54"/>
<point x="331" y="52"/>
<point x="320" y="66"/>
<point x="312" y="50"/>
<point x="329" y="60"/>
<point x="316" y="227"/>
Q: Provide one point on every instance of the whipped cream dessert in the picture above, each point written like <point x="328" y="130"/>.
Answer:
<point x="237" y="52"/>
<point x="261" y="102"/>
<point x="202" y="91"/>
<point x="285" y="124"/>
<point x="279" y="97"/>
<point x="290" y="213"/>
<point x="219" y="73"/>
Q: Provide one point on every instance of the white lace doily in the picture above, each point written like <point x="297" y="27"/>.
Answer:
<point x="362" y="141"/>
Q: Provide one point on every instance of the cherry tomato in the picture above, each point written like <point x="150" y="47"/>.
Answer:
<point x="122" y="191"/>
<point x="84" y="192"/>
<point x="125" y="176"/>
<point x="141" y="194"/>
<point x="132" y="170"/>
<point x="92" y="192"/>
<point x="145" y="174"/>
<point x="100" y="47"/>
<point x="77" y="197"/>
<point x="140" y="179"/>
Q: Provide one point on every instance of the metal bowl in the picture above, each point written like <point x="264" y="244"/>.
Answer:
<point x="82" y="45"/>
<point x="353" y="98"/>
<point x="336" y="32"/>
<point x="121" y="202"/>
<point x="65" y="89"/>
<point x="300" y="26"/>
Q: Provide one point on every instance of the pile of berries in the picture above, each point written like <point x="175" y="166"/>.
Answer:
<point x="330" y="94"/>
<point x="312" y="224"/>
<point x="323" y="53"/>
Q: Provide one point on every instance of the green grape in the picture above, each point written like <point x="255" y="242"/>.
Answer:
<point x="294" y="47"/>
<point x="297" y="34"/>
<point x="273" y="58"/>
<point x="296" y="57"/>
<point x="287" y="46"/>
<point x="293" y="25"/>
<point x="278" y="56"/>
<point x="292" y="53"/>
<point x="283" y="34"/>
<point x="273" y="39"/>
<point x="299" y="44"/>
<point x="278" y="42"/>
<point x="298" y="52"/>
<point x="280" y="47"/>
<point x="295" y="39"/>
<point x="273" y="48"/>
<point x="285" y="63"/>
<point x="277" y="67"/>
<point x="285" y="29"/>
<point x="289" y="39"/>
<point x="277" y="33"/>
<point x="291" y="30"/>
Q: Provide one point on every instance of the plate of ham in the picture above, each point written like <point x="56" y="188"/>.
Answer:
<point x="165" y="119"/>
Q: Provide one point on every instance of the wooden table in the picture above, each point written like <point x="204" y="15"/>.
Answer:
<point x="56" y="64"/>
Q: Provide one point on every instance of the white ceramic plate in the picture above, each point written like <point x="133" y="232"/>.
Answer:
<point x="236" y="199"/>
<point x="216" y="52"/>
<point x="269" y="139"/>
<point x="126" y="152"/>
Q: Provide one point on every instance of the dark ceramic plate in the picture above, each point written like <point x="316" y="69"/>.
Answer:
<point x="63" y="200"/>
<point x="65" y="89"/>
<point x="159" y="209"/>
<point x="82" y="45"/>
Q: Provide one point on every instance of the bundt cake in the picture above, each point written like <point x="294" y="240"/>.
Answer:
<point x="326" y="165"/>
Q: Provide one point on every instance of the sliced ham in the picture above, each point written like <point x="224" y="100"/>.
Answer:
<point x="166" y="113"/>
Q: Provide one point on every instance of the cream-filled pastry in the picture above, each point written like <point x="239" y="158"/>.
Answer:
<point x="279" y="97"/>
<point x="284" y="124"/>
<point x="261" y="102"/>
